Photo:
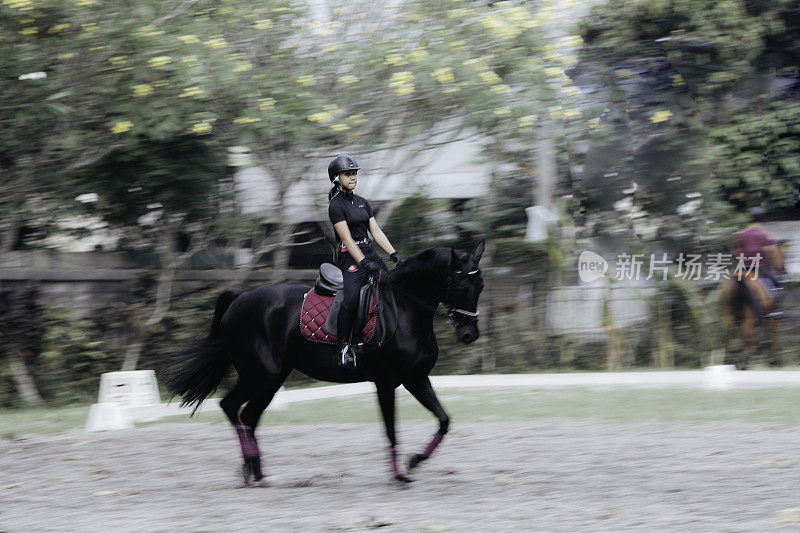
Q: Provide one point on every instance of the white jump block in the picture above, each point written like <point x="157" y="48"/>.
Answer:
<point x="719" y="377"/>
<point x="123" y="398"/>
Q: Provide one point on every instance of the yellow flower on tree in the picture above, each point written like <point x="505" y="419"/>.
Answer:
<point x="190" y="92"/>
<point x="490" y="77"/>
<point x="216" y="42"/>
<point x="660" y="116"/>
<point x="553" y="72"/>
<point x="443" y="75"/>
<point x="142" y="90"/>
<point x="22" y="5"/>
<point x="243" y="66"/>
<point x="395" y="60"/>
<point x="200" y="128"/>
<point x="263" y="24"/>
<point x="572" y="41"/>
<point x="159" y="61"/>
<point x="265" y="104"/>
<point x="121" y="127"/>
<point x="402" y="83"/>
<point x="418" y="54"/>
<point x="501" y="88"/>
<point x="307" y="80"/>
<point x="189" y="39"/>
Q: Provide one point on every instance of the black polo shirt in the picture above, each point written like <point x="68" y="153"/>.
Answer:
<point x="353" y="209"/>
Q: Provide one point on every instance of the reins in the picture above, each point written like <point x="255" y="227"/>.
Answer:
<point x="435" y="309"/>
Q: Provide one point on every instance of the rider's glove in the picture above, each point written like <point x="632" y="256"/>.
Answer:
<point x="395" y="257"/>
<point x="369" y="265"/>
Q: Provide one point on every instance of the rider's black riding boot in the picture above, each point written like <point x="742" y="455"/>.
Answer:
<point x="347" y="356"/>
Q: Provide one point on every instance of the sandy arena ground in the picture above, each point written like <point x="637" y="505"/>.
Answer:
<point x="560" y="475"/>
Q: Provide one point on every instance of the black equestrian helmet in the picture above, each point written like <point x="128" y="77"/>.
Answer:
<point x="340" y="164"/>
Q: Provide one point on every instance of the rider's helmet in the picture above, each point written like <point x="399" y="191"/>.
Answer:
<point x="340" y="164"/>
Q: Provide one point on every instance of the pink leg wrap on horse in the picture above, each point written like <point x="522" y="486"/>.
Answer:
<point x="393" y="460"/>
<point x="437" y="438"/>
<point x="248" y="441"/>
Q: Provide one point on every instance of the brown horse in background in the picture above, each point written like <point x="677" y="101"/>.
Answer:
<point x="746" y="305"/>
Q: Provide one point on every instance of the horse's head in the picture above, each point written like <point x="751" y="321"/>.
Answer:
<point x="464" y="286"/>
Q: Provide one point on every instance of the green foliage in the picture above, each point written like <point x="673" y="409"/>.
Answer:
<point x="755" y="152"/>
<point x="179" y="175"/>
<point x="420" y="222"/>
<point x="701" y="77"/>
<point x="74" y="356"/>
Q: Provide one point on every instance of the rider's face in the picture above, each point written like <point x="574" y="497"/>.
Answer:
<point x="348" y="180"/>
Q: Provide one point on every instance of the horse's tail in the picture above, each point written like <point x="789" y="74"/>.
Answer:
<point x="202" y="367"/>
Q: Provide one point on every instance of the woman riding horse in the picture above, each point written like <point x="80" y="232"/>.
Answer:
<point x="351" y="216"/>
<point x="258" y="332"/>
<point x="749" y="297"/>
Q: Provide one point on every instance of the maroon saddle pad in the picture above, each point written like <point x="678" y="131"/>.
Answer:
<point x="315" y="310"/>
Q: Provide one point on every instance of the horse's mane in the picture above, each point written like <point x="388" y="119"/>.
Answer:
<point x="431" y="264"/>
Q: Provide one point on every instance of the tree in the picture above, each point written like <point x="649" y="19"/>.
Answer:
<point x="20" y="341"/>
<point x="719" y="76"/>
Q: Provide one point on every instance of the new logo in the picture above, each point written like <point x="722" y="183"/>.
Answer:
<point x="591" y="266"/>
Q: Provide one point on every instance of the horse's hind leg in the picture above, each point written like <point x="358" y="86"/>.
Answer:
<point x="231" y="405"/>
<point x="422" y="390"/>
<point x="250" y="416"/>
<point x="233" y="401"/>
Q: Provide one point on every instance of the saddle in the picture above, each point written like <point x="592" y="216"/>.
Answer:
<point x="321" y="305"/>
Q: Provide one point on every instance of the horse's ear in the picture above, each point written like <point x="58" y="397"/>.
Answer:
<point x="478" y="252"/>
<point x="454" y="259"/>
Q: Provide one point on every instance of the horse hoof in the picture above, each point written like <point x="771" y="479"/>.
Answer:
<point x="415" y="460"/>
<point x="403" y="478"/>
<point x="247" y="474"/>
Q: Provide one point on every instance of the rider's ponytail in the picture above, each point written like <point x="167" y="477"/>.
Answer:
<point x="333" y="190"/>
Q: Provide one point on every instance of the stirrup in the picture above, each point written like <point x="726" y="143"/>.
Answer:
<point x="347" y="356"/>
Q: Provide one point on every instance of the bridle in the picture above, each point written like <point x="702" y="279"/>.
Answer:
<point x="452" y="311"/>
<point x="471" y="316"/>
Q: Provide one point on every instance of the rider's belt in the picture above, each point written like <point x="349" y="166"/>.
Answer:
<point x="365" y="240"/>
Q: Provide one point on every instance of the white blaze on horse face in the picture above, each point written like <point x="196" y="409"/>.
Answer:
<point x="591" y="266"/>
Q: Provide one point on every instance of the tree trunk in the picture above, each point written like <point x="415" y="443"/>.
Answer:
<point x="168" y="266"/>
<point x="8" y="236"/>
<point x="133" y="345"/>
<point x="665" y="347"/>
<point x="545" y="163"/>
<point x="22" y="379"/>
<point x="282" y="253"/>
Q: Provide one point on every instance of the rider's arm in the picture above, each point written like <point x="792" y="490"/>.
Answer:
<point x="379" y="237"/>
<point x="344" y="234"/>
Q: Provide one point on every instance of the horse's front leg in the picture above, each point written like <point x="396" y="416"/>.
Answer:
<point x="386" y="395"/>
<point x="422" y="390"/>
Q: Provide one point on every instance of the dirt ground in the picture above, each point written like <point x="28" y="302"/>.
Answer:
<point x="560" y="475"/>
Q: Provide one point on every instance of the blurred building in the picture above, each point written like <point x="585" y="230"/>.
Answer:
<point x="454" y="170"/>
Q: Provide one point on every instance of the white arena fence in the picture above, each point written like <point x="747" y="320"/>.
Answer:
<point x="128" y="397"/>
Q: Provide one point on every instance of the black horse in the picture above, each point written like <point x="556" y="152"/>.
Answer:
<point x="258" y="332"/>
